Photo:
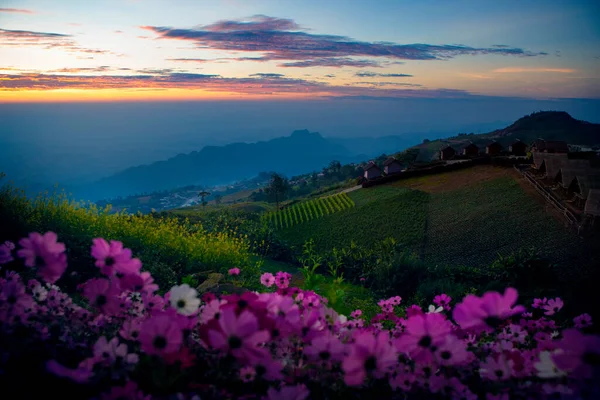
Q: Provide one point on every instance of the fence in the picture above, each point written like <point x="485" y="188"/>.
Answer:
<point x="568" y="215"/>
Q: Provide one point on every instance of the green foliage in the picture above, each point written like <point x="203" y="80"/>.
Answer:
<point x="299" y="213"/>
<point x="191" y="280"/>
<point x="310" y="261"/>
<point x="379" y="213"/>
<point x="167" y="247"/>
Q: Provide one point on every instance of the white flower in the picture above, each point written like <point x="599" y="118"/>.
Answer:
<point x="546" y="367"/>
<point x="432" y="309"/>
<point x="554" y="334"/>
<point x="342" y="318"/>
<point x="184" y="299"/>
<point x="39" y="293"/>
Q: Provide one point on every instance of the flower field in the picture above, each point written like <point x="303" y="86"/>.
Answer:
<point x="309" y="210"/>
<point x="118" y="338"/>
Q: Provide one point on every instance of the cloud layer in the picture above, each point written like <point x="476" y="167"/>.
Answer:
<point x="285" y="41"/>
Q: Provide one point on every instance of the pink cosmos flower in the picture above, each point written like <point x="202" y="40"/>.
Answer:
<point x="452" y="351"/>
<point x="583" y="321"/>
<point x="239" y="335"/>
<point x="298" y="392"/>
<point x="488" y="311"/>
<point x="5" y="254"/>
<point x="356" y="314"/>
<point x="497" y="368"/>
<point x="282" y="279"/>
<point x="267" y="279"/>
<point x="10" y="245"/>
<point x="423" y="334"/>
<point x="234" y="271"/>
<point x="442" y="300"/>
<point x="103" y="294"/>
<point x="247" y="374"/>
<point x="553" y="306"/>
<point x="160" y="335"/>
<point x="131" y="330"/>
<point x="112" y="258"/>
<point x="538" y="303"/>
<point x="413" y="310"/>
<point x="110" y="351"/>
<point x="325" y="348"/>
<point x="370" y="355"/>
<point x="45" y="253"/>
<point x="79" y="375"/>
<point x="576" y="353"/>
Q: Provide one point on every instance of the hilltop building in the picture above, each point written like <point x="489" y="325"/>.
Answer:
<point x="392" y="166"/>
<point x="493" y="149"/>
<point x="447" y="153"/>
<point x="470" y="150"/>
<point x="371" y="171"/>
<point x="518" y="148"/>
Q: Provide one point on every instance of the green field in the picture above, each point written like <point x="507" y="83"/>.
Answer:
<point x="307" y="211"/>
<point x="379" y="213"/>
<point x="473" y="225"/>
<point x="470" y="225"/>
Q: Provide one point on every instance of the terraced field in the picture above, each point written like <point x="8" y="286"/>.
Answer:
<point x="308" y="210"/>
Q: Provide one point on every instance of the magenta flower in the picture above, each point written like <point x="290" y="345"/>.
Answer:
<point x="79" y="375"/>
<point x="423" y="334"/>
<point x="413" y="310"/>
<point x="5" y="254"/>
<point x="160" y="335"/>
<point x="497" y="368"/>
<point x="325" y="348"/>
<point x="239" y="335"/>
<point x="553" y="306"/>
<point x="452" y="351"/>
<point x="538" y="303"/>
<point x="583" y="321"/>
<point x="112" y="258"/>
<point x="129" y="391"/>
<point x="356" y="314"/>
<point x="234" y="271"/>
<point x="267" y="279"/>
<point x="442" y="300"/>
<point x="282" y="279"/>
<point x="299" y="392"/>
<point x="488" y="311"/>
<point x="370" y="355"/>
<point x="247" y="374"/>
<point x="103" y="294"/>
<point x="45" y="253"/>
<point x="578" y="353"/>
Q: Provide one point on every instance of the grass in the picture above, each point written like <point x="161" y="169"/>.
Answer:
<point x="379" y="213"/>
<point x="473" y="225"/>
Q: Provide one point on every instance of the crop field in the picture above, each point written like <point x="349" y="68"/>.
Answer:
<point x="309" y="210"/>
<point x="379" y="213"/>
<point x="449" y="222"/>
<point x="473" y="225"/>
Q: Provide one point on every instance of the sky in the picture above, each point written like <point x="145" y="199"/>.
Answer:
<point x="151" y="50"/>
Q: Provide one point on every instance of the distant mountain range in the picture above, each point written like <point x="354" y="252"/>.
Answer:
<point x="305" y="151"/>
<point x="300" y="152"/>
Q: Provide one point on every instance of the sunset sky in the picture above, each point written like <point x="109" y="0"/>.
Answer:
<point x="237" y="49"/>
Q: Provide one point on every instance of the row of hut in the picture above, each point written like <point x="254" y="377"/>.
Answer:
<point x="391" y="166"/>
<point x="577" y="178"/>
<point x="518" y="148"/>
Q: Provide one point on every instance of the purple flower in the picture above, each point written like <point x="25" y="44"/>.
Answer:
<point x="488" y="311"/>
<point x="79" y="375"/>
<point x="234" y="271"/>
<point x="129" y="391"/>
<point x="267" y="279"/>
<point x="5" y="254"/>
<point x="45" y="253"/>
<point x="160" y="335"/>
<point x="247" y="374"/>
<point x="583" y="321"/>
<point x="423" y="334"/>
<point x="112" y="258"/>
<point x="442" y="300"/>
<point x="282" y="279"/>
<point x="371" y="354"/>
<point x="497" y="368"/>
<point x="103" y="294"/>
<point x="325" y="348"/>
<point x="239" y="335"/>
<point x="553" y="306"/>
<point x="577" y="353"/>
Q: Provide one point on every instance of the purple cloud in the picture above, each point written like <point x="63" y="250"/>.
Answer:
<point x="284" y="40"/>
<point x="367" y="74"/>
<point x="268" y="75"/>
<point x="16" y="10"/>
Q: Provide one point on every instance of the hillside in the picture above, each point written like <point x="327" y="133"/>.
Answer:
<point x="549" y="125"/>
<point x="300" y="152"/>
<point x="467" y="218"/>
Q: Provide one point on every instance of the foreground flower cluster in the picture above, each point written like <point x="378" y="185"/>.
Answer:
<point x="117" y="338"/>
